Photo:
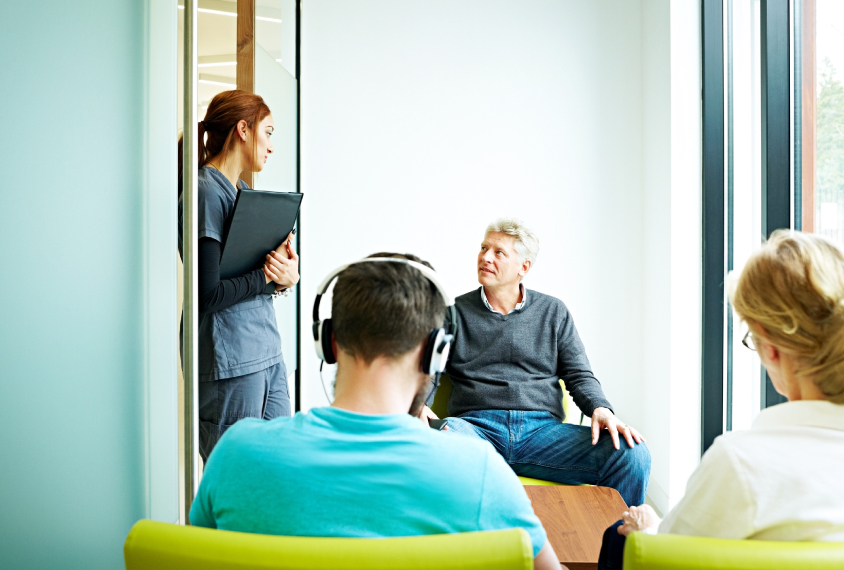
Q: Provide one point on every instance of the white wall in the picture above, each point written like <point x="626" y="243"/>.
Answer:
<point x="87" y="337"/>
<point x="683" y="422"/>
<point x="425" y="119"/>
<point x="160" y="236"/>
<point x="671" y="327"/>
<point x="656" y="262"/>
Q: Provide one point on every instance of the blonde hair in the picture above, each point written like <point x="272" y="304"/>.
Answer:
<point x="527" y="244"/>
<point x="793" y="287"/>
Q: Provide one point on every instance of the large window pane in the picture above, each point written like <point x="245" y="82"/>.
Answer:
<point x="821" y="68"/>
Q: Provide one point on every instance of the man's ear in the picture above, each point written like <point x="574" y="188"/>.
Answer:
<point x="334" y="346"/>
<point x="526" y="264"/>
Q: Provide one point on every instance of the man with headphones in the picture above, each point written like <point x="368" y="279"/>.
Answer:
<point x="365" y="466"/>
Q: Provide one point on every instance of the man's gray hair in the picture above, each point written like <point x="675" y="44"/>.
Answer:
<point x="527" y="244"/>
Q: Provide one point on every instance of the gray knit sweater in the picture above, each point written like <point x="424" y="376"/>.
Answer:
<point x="514" y="362"/>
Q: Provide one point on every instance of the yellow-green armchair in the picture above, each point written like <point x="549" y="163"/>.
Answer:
<point x="163" y="546"/>
<point x="675" y="552"/>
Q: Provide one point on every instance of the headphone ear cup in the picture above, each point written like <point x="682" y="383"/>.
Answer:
<point x="432" y="361"/>
<point x="317" y="330"/>
<point x="325" y="341"/>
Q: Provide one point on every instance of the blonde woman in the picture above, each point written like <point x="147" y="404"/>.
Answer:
<point x="779" y="480"/>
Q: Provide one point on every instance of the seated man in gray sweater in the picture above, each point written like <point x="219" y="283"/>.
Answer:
<point x="512" y="346"/>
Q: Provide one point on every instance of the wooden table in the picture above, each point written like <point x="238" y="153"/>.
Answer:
<point x="575" y="519"/>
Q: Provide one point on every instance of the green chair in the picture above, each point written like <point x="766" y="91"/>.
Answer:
<point x="163" y="546"/>
<point x="440" y="407"/>
<point x="675" y="552"/>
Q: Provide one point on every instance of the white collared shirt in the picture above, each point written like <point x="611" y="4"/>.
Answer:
<point x="518" y="306"/>
<point x="779" y="480"/>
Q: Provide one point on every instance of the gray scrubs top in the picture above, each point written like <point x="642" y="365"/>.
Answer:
<point x="243" y="338"/>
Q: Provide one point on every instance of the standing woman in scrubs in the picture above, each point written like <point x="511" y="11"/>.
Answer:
<point x="241" y="369"/>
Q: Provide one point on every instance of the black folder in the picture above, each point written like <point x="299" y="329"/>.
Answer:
<point x="260" y="223"/>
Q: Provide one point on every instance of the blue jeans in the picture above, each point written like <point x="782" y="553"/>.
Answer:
<point x="538" y="445"/>
<point x="263" y="395"/>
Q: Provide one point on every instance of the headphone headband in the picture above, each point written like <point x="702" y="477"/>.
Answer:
<point x="426" y="271"/>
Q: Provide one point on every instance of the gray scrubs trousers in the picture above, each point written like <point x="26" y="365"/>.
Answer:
<point x="263" y="395"/>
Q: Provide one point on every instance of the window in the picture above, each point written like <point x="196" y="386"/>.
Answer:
<point x="742" y="400"/>
<point x="819" y="126"/>
<point x="757" y="177"/>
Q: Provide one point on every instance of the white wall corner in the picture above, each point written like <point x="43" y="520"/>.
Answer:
<point x="657" y="497"/>
<point x="160" y="235"/>
<point x="671" y="186"/>
<point x="686" y="246"/>
<point x="656" y="239"/>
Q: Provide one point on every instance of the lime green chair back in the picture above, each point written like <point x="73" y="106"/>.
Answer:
<point x="163" y="546"/>
<point x="440" y="405"/>
<point x="675" y="552"/>
<point x="572" y="414"/>
<point x="531" y="481"/>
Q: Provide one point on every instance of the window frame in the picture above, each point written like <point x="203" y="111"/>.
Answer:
<point x="776" y="130"/>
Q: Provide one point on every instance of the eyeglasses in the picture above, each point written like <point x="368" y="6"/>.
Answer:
<point x="748" y="341"/>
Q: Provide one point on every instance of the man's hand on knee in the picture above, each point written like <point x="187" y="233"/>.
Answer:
<point x="603" y="418"/>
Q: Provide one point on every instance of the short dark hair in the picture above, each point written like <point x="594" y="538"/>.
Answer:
<point x="384" y="309"/>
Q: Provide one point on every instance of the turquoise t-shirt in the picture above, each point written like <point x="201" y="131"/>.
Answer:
<point x="332" y="472"/>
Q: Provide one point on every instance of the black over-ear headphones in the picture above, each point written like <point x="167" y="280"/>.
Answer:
<point x="439" y="339"/>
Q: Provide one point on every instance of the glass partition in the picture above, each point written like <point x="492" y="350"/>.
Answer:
<point x="272" y="39"/>
<point x="278" y="87"/>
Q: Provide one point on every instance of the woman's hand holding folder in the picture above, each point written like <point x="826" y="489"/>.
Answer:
<point x="282" y="265"/>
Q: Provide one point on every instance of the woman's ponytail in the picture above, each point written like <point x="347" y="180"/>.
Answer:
<point x="201" y="148"/>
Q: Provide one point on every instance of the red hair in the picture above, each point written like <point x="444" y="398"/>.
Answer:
<point x="224" y="112"/>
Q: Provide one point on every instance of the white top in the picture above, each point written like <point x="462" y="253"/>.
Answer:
<point x="780" y="480"/>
